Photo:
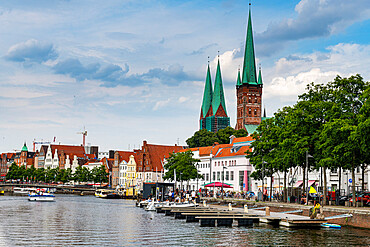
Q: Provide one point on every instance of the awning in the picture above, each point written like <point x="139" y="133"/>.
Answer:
<point x="298" y="184"/>
<point x="311" y="182"/>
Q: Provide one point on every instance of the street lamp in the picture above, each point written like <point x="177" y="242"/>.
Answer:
<point x="307" y="189"/>
<point x="222" y="185"/>
<point x="263" y="179"/>
<point x="197" y="175"/>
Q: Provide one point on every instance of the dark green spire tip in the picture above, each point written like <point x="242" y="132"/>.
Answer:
<point x="208" y="93"/>
<point x="249" y="66"/>
<point x="218" y="93"/>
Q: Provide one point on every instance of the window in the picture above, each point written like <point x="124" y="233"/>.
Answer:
<point x="227" y="175"/>
<point x="214" y="176"/>
<point x="241" y="178"/>
<point x="222" y="163"/>
<point x="231" y="175"/>
<point x="207" y="175"/>
<point x="218" y="176"/>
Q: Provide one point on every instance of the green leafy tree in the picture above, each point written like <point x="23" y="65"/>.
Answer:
<point x="184" y="164"/>
<point x="99" y="174"/>
<point x="223" y="135"/>
<point x="13" y="172"/>
<point x="202" y="138"/>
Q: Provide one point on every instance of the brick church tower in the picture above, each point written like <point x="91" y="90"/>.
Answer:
<point x="249" y="88"/>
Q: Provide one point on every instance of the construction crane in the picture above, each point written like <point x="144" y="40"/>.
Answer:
<point x="38" y="142"/>
<point x="84" y="134"/>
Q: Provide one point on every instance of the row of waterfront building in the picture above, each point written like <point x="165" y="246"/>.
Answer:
<point x="226" y="163"/>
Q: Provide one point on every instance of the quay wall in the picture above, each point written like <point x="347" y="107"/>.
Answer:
<point x="360" y="218"/>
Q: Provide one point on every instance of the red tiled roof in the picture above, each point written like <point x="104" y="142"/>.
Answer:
<point x="125" y="155"/>
<point x="243" y="139"/>
<point x="158" y="152"/>
<point x="226" y="152"/>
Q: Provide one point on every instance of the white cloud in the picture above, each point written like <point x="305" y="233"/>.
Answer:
<point x="161" y="104"/>
<point x="183" y="99"/>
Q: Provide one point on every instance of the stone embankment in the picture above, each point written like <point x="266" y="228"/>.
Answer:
<point x="360" y="218"/>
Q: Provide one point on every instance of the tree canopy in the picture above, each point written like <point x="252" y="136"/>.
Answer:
<point x="82" y="174"/>
<point x="331" y="122"/>
<point x="203" y="138"/>
<point x="185" y="166"/>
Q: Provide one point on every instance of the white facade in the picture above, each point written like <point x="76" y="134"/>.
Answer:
<point x="316" y="178"/>
<point x="122" y="174"/>
<point x="51" y="162"/>
<point x="92" y="165"/>
<point x="74" y="164"/>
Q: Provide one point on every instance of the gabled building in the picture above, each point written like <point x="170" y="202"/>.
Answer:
<point x="119" y="168"/>
<point x="6" y="160"/>
<point x="24" y="157"/>
<point x="149" y="162"/>
<point x="223" y="162"/>
<point x="63" y="156"/>
<point x="213" y="114"/>
<point x="249" y="88"/>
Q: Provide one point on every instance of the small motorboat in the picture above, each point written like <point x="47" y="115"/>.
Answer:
<point x="41" y="195"/>
<point x="107" y="194"/>
<point x="328" y="225"/>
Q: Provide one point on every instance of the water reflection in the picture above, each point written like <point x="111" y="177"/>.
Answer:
<point x="75" y="220"/>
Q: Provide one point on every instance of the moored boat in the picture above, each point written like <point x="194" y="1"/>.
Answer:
<point x="41" y="195"/>
<point x="23" y="191"/>
<point x="107" y="194"/>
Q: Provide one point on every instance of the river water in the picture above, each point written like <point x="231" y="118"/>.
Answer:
<point x="86" y="220"/>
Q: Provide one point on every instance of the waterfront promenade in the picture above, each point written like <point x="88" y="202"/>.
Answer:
<point x="360" y="218"/>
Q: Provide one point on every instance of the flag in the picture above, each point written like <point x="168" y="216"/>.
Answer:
<point x="312" y="190"/>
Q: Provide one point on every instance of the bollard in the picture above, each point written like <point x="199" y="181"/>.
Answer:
<point x="204" y="203"/>
<point x="246" y="208"/>
<point x="230" y="207"/>
<point x="267" y="211"/>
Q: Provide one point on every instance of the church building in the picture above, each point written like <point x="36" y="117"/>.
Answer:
<point x="249" y="88"/>
<point x="213" y="115"/>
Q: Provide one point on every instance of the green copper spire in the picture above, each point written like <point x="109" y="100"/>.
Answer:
<point x="218" y="94"/>
<point x="249" y="67"/>
<point x="239" y="81"/>
<point x="207" y="95"/>
<point x="24" y="148"/>
<point x="259" y="77"/>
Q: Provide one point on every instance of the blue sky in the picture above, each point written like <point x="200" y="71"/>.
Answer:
<point x="135" y="70"/>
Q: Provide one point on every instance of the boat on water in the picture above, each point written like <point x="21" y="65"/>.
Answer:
<point x="23" y="191"/>
<point x="41" y="195"/>
<point x="107" y="194"/>
<point x="328" y="225"/>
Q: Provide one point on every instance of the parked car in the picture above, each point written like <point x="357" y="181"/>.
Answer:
<point x="343" y="199"/>
<point x="364" y="197"/>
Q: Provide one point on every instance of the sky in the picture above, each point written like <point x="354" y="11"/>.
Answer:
<point x="129" y="71"/>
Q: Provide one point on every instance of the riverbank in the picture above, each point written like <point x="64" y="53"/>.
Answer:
<point x="360" y="216"/>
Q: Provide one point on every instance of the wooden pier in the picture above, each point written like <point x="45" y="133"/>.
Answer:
<point x="223" y="216"/>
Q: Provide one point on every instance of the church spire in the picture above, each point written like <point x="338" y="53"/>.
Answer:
<point x="238" y="80"/>
<point x="259" y="82"/>
<point x="207" y="95"/>
<point x="249" y="66"/>
<point x="218" y="95"/>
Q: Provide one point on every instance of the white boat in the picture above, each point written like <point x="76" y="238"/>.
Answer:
<point x="184" y="205"/>
<point x="41" y="195"/>
<point x="153" y="205"/>
<point x="23" y="191"/>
